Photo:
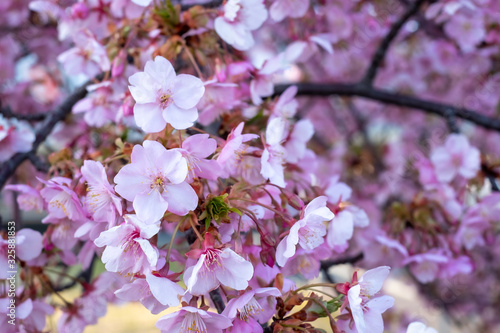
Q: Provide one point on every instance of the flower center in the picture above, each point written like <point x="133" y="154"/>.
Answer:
<point x="193" y="323"/>
<point x="251" y="308"/>
<point x="212" y="259"/>
<point x="165" y="98"/>
<point x="231" y="9"/>
<point x="158" y="184"/>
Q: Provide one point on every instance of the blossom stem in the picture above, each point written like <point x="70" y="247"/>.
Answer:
<point x="191" y="58"/>
<point x="321" y="292"/>
<point x="332" y="321"/>
<point x="172" y="239"/>
<point x="196" y="231"/>
<point x="332" y="285"/>
<point x="263" y="205"/>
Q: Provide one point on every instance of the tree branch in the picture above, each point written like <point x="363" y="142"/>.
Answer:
<point x="348" y="260"/>
<point x="7" y="113"/>
<point x="209" y="4"/>
<point x="379" y="55"/>
<point x="217" y="299"/>
<point x="357" y="89"/>
<point x="8" y="168"/>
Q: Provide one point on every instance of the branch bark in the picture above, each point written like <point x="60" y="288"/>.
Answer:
<point x="7" y="113"/>
<point x="8" y="168"/>
<point x="209" y="4"/>
<point x="360" y="90"/>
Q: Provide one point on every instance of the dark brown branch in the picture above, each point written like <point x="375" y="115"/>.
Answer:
<point x="38" y="163"/>
<point x="210" y="4"/>
<point x="491" y="175"/>
<point x="444" y="110"/>
<point x="379" y="55"/>
<point x="217" y="299"/>
<point x="8" y="168"/>
<point x="7" y="113"/>
<point x="348" y="260"/>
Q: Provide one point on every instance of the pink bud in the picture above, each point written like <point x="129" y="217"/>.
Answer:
<point x="119" y="64"/>
<point x="79" y="10"/>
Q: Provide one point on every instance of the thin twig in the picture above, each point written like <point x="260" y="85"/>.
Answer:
<point x="379" y="55"/>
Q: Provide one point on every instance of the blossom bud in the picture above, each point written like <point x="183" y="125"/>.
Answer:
<point x="80" y="11"/>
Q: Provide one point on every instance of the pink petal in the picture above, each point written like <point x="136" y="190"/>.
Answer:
<point x="164" y="290"/>
<point x="187" y="91"/>
<point x="181" y="198"/>
<point x="151" y="206"/>
<point x="180" y="118"/>
<point x="28" y="244"/>
<point x="149" y="117"/>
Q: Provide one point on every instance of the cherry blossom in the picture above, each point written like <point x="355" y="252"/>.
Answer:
<point x="163" y="97"/>
<point x="308" y="232"/>
<point x="15" y="136"/>
<point x="88" y="57"/>
<point x="127" y="246"/>
<point x="239" y="19"/>
<point x="456" y="157"/>
<point x="195" y="150"/>
<point x="367" y="310"/>
<point x="155" y="182"/>
<point x="192" y="319"/>
<point x="101" y="199"/>
<point x="216" y="266"/>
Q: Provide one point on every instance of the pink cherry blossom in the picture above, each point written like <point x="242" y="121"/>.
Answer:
<point x="337" y="191"/>
<point x="287" y="105"/>
<point x="426" y="266"/>
<point x="99" y="108"/>
<point x="195" y="149"/>
<point x="296" y="143"/>
<point x="467" y="31"/>
<point x="88" y="57"/>
<point x="308" y="232"/>
<point x="214" y="267"/>
<point x="155" y="182"/>
<point x="340" y="230"/>
<point x="456" y="157"/>
<point x="365" y="308"/>
<point x="61" y="200"/>
<point x="219" y="98"/>
<point x="190" y="319"/>
<point x="239" y="19"/>
<point x="28" y="246"/>
<point x="128" y="248"/>
<point x="15" y="136"/>
<point x="248" y="305"/>
<point x="29" y="198"/>
<point x="101" y="199"/>
<point x="155" y="292"/>
<point x="231" y="153"/>
<point x="274" y="154"/>
<point x="163" y="97"/>
<point x="30" y="316"/>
